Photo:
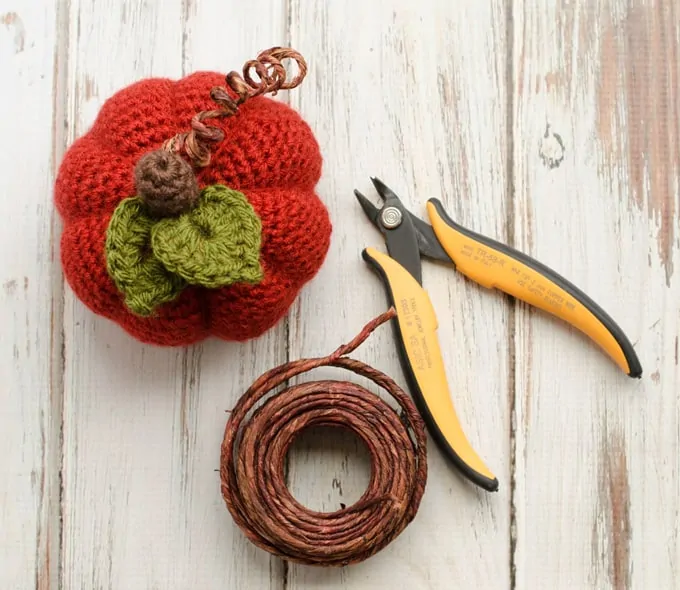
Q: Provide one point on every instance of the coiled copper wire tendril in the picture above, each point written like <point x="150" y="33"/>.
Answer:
<point x="254" y="450"/>
<point x="272" y="78"/>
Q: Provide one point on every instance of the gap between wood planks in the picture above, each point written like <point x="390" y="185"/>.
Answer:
<point x="512" y="312"/>
<point x="288" y="37"/>
<point x="50" y="574"/>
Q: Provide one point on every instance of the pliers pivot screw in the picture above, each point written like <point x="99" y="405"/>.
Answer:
<point x="391" y="217"/>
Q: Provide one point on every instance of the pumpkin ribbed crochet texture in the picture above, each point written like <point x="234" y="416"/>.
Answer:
<point x="268" y="154"/>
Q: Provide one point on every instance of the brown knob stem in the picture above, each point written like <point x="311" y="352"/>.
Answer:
<point x="166" y="183"/>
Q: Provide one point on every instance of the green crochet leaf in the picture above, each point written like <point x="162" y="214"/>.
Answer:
<point x="137" y="273"/>
<point x="215" y="244"/>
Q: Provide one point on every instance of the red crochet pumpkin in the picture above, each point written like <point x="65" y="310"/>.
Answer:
<point x="268" y="153"/>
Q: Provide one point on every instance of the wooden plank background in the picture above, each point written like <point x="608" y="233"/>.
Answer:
<point x="553" y="125"/>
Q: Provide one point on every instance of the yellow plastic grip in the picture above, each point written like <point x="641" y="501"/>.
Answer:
<point x="417" y="326"/>
<point x="492" y="267"/>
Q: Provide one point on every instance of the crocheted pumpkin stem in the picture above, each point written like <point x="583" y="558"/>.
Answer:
<point x="272" y="78"/>
<point x="166" y="183"/>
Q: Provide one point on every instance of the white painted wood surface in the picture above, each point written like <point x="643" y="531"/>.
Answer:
<point x="109" y="447"/>
<point x="597" y="454"/>
<point x="30" y="301"/>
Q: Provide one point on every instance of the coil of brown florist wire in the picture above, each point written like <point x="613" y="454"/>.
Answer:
<point x="254" y="451"/>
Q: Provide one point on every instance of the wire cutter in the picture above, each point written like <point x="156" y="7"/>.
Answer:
<point x="492" y="265"/>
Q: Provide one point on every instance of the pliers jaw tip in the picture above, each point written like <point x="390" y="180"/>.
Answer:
<point x="371" y="211"/>
<point x="385" y="192"/>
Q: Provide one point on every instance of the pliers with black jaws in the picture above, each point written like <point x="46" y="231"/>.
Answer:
<point x="492" y="265"/>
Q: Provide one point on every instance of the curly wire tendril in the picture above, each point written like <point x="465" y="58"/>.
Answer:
<point x="254" y="451"/>
<point x="271" y="72"/>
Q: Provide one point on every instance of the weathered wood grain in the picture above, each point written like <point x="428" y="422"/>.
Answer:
<point x="415" y="95"/>
<point x="30" y="300"/>
<point x="143" y="425"/>
<point x="596" y="197"/>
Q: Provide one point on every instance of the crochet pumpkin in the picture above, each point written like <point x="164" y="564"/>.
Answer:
<point x="189" y="208"/>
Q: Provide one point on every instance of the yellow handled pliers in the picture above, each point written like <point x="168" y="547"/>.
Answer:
<point x="492" y="265"/>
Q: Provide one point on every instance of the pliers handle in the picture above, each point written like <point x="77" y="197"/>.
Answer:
<point x="492" y="265"/>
